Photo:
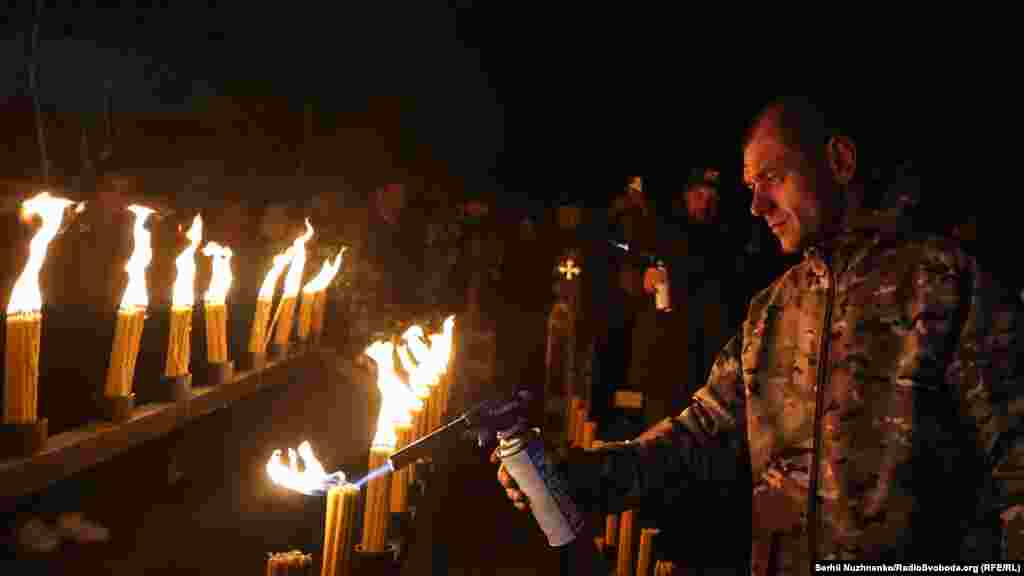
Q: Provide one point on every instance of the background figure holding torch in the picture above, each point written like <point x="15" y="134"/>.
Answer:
<point x="23" y="432"/>
<point x="292" y="284"/>
<point x="264" y="305"/>
<point x="179" y="344"/>
<point x="215" y="304"/>
<point x="118" y="400"/>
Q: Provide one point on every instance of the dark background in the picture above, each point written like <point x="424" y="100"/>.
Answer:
<point x="523" y="105"/>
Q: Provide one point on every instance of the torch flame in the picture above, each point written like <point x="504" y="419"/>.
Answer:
<point x="293" y="281"/>
<point x="26" y="296"/>
<point x="397" y="401"/>
<point x="184" y="284"/>
<point x="220" y="280"/>
<point x="419" y="375"/>
<point x="327" y="273"/>
<point x="135" y="294"/>
<point x="311" y="480"/>
<point x="270" y="281"/>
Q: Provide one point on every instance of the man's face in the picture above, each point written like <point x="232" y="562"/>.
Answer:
<point x="702" y="203"/>
<point x="787" y="191"/>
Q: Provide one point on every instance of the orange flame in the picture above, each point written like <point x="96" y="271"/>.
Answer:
<point x="183" y="295"/>
<point x="441" y="346"/>
<point x="135" y="294"/>
<point x="418" y="362"/>
<point x="327" y="273"/>
<point x="312" y="479"/>
<point x="220" y="279"/>
<point x="397" y="401"/>
<point x="293" y="281"/>
<point x="26" y="296"/>
<point x="270" y="281"/>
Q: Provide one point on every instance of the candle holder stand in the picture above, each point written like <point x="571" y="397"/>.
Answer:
<point x="254" y="360"/>
<point x="116" y="409"/>
<point x="175" y="388"/>
<point x="23" y="440"/>
<point x="220" y="373"/>
<point x="279" y="351"/>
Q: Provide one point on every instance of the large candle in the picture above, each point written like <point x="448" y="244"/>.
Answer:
<point x="339" y="530"/>
<point x="265" y="302"/>
<point x="215" y="301"/>
<point x="24" y="316"/>
<point x="132" y="312"/>
<point x="179" y="344"/>
<point x="292" y="285"/>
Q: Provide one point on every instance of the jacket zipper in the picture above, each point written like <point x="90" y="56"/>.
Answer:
<point x="824" y="362"/>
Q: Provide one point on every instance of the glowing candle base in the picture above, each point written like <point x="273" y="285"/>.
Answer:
<point x="319" y="306"/>
<point x="376" y="512"/>
<point x="293" y="563"/>
<point x="283" y="328"/>
<point x="127" y="335"/>
<point x="339" y="530"/>
<point x="21" y="369"/>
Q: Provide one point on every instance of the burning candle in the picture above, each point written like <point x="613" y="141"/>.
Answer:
<point x="400" y="479"/>
<point x="627" y="544"/>
<point x="215" y="303"/>
<point x="293" y="563"/>
<point x="441" y="348"/>
<point x="589" y="434"/>
<point x="132" y="312"/>
<point x="24" y="316"/>
<point x="314" y="294"/>
<point x="179" y="345"/>
<point x="396" y="406"/>
<point x="265" y="301"/>
<point x="419" y="377"/>
<point x="292" y="284"/>
<point x="342" y="499"/>
<point x="645" y="559"/>
<point x="339" y="536"/>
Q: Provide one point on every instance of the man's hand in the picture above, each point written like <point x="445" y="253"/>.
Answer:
<point x="516" y="495"/>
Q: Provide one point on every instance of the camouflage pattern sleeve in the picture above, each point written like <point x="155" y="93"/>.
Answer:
<point x="985" y="371"/>
<point x="691" y="452"/>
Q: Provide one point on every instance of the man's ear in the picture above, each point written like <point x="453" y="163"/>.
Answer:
<point x="841" y="155"/>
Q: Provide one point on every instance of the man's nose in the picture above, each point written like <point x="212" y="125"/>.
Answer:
<point x="760" y="204"/>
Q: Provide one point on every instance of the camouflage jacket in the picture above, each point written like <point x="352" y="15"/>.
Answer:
<point x="915" y="349"/>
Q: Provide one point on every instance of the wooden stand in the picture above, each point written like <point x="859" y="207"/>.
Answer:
<point x="116" y="409"/>
<point x="382" y="563"/>
<point x="279" y="351"/>
<point x="254" y="360"/>
<point x="23" y="440"/>
<point x="175" y="389"/>
<point x="220" y="373"/>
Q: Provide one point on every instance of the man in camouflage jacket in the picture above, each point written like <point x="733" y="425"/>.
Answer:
<point x="886" y="361"/>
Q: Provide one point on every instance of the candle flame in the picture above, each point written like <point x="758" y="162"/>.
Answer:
<point x="26" y="297"/>
<point x="418" y="361"/>
<point x="419" y="375"/>
<point x="293" y="280"/>
<point x="327" y="273"/>
<point x="135" y="294"/>
<point x="270" y="280"/>
<point x="220" y="279"/>
<point x="441" y="345"/>
<point x="183" y="295"/>
<point x="311" y="480"/>
<point x="397" y="401"/>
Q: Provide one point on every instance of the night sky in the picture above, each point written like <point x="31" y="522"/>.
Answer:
<point x="522" y="104"/>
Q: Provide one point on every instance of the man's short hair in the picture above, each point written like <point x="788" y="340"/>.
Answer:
<point x="804" y="124"/>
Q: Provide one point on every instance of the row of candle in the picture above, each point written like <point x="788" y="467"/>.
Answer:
<point x="24" y="311"/>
